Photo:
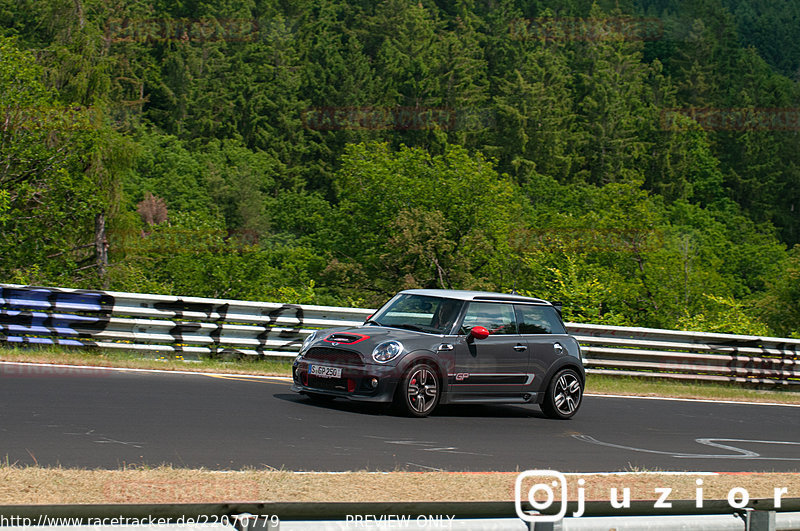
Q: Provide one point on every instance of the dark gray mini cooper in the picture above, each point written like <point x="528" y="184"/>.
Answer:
<point x="427" y="347"/>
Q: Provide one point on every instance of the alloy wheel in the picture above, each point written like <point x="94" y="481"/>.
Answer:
<point x="422" y="390"/>
<point x="567" y="393"/>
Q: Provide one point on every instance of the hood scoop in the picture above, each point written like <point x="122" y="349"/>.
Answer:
<point x="345" y="338"/>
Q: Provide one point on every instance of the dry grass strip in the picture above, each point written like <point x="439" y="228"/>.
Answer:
<point x="37" y="485"/>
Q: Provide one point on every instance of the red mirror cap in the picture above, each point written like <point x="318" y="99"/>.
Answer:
<point x="368" y="317"/>
<point x="479" y="332"/>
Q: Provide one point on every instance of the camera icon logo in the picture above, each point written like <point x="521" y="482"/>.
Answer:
<point x="547" y="481"/>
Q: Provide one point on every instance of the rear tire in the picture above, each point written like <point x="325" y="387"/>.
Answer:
<point x="419" y="391"/>
<point x="564" y="395"/>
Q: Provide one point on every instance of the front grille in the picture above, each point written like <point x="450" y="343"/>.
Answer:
<point x="335" y="356"/>
<point x="331" y="384"/>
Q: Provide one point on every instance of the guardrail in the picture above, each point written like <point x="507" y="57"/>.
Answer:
<point x="685" y="355"/>
<point x="756" y="515"/>
<point x="160" y="323"/>
<point x="194" y="326"/>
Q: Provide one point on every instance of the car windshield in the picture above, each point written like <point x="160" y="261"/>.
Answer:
<point x="433" y="315"/>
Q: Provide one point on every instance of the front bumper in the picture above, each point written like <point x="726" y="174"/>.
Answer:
<point x="355" y="383"/>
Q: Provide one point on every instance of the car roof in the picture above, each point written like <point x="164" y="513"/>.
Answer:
<point x="465" y="295"/>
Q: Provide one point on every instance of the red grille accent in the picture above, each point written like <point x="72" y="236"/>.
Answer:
<point x="346" y="338"/>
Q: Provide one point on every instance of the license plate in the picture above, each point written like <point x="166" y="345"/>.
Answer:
<point x="321" y="371"/>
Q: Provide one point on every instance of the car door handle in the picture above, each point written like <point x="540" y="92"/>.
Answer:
<point x="520" y="348"/>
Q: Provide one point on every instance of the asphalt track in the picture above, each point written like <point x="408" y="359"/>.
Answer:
<point x="107" y="419"/>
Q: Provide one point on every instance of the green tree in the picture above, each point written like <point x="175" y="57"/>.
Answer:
<point x="536" y="126"/>
<point x="780" y="306"/>
<point x="49" y="200"/>
<point x="451" y="214"/>
<point x="615" y="107"/>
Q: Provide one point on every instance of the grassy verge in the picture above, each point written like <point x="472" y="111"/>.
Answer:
<point x="132" y="360"/>
<point x="626" y="385"/>
<point x="597" y="384"/>
<point x="34" y="485"/>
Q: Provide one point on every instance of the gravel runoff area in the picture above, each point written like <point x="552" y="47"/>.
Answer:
<point x="53" y="486"/>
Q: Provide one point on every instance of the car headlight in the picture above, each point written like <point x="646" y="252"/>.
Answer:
<point x="387" y="351"/>
<point x="307" y="342"/>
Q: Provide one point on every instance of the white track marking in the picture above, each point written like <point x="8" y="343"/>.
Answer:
<point x="704" y="400"/>
<point x="740" y="453"/>
<point x="156" y="371"/>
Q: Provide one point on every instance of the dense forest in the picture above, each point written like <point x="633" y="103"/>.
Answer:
<point x="638" y="160"/>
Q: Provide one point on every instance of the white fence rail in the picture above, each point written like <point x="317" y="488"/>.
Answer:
<point x="757" y="515"/>
<point x="689" y="355"/>
<point x="194" y="326"/>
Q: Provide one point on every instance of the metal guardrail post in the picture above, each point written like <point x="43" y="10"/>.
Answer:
<point x="758" y="520"/>
<point x="241" y="522"/>
<point x="249" y="522"/>
<point x="558" y="525"/>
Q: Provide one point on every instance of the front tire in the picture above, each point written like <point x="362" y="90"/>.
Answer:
<point x="419" y="391"/>
<point x="564" y="395"/>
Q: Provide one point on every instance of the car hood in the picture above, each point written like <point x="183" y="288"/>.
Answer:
<point x="365" y="338"/>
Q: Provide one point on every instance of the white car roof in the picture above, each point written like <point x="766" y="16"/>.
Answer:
<point x="473" y="295"/>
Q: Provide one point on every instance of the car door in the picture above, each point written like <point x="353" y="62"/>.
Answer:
<point x="540" y="327"/>
<point x="496" y="365"/>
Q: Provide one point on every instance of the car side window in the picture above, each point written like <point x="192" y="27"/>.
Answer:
<point x="538" y="320"/>
<point x="496" y="318"/>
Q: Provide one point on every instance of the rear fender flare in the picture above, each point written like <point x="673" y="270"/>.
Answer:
<point x="562" y="363"/>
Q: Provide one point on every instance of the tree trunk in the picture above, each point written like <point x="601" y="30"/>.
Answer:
<point x="101" y="247"/>
<point x="79" y="13"/>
